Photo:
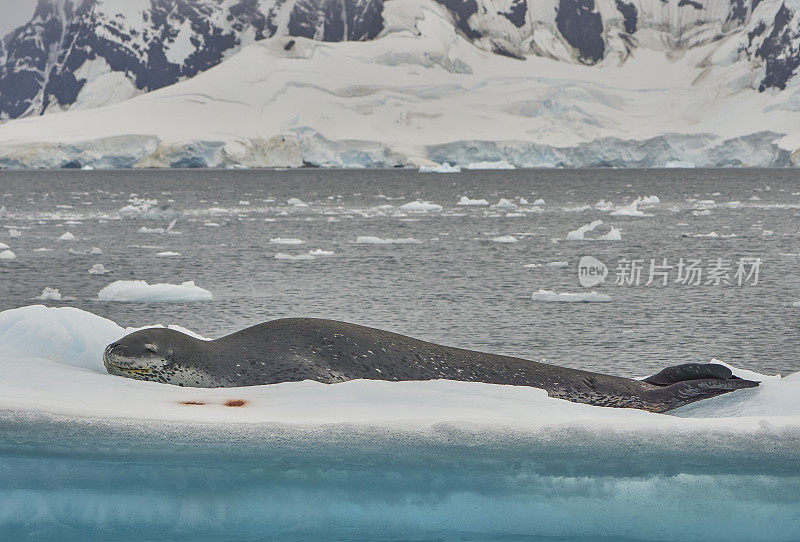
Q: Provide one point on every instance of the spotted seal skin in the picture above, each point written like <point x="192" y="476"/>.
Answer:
<point x="296" y="349"/>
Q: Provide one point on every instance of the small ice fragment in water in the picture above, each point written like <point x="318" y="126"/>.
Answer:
<point x="167" y="254"/>
<point x="557" y="265"/>
<point x="294" y="257"/>
<point x="548" y="296"/>
<point x="7" y="255"/>
<point x="66" y="236"/>
<point x="4" y="246"/>
<point x="580" y="234"/>
<point x="98" y="269"/>
<point x="505" y="239"/>
<point x="476" y="202"/>
<point x="421" y="206"/>
<point x="145" y="229"/>
<point x="14" y="233"/>
<point x="286" y="241"/>
<point x="539" y="202"/>
<point x="95" y="251"/>
<point x="49" y="294"/>
<point x="505" y="204"/>
<point x="371" y="240"/>
<point x="320" y="252"/>
<point x="296" y="202"/>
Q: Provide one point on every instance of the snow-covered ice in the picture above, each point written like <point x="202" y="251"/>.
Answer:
<point x="548" y="296"/>
<point x="141" y="291"/>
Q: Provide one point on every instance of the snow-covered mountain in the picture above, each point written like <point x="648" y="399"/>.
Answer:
<point x="551" y="82"/>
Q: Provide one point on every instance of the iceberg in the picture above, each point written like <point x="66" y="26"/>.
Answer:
<point x="140" y="291"/>
<point x="548" y="296"/>
<point x="580" y="234"/>
<point x="49" y="294"/>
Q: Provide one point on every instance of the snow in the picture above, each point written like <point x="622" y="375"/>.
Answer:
<point x="254" y="108"/>
<point x="7" y="255"/>
<point x="505" y="239"/>
<point x="472" y="202"/>
<point x="371" y="240"/>
<point x="66" y="236"/>
<point x="420" y="206"/>
<point x="286" y="241"/>
<point x="548" y="296"/>
<point x="580" y="234"/>
<point x="141" y="291"/>
<point x="440" y="168"/>
<point x="49" y="294"/>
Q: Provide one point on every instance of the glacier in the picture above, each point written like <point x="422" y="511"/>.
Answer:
<point x="85" y="454"/>
<point x="440" y="82"/>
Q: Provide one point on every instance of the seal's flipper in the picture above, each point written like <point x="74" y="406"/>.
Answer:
<point x="682" y="393"/>
<point x="689" y="371"/>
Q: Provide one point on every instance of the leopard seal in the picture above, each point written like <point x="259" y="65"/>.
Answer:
<point x="328" y="351"/>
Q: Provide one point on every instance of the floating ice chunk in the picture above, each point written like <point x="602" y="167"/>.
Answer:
<point x="7" y="255"/>
<point x="712" y="235"/>
<point x="320" y="252"/>
<point x="420" y="206"/>
<point x="796" y="304"/>
<point x="296" y="202"/>
<point x="702" y="212"/>
<point x="66" y="236"/>
<point x="500" y="164"/>
<point x="649" y="200"/>
<point x="4" y="246"/>
<point x="580" y="234"/>
<point x="286" y="241"/>
<point x="43" y="249"/>
<point x="532" y="265"/>
<point x="149" y="209"/>
<point x="548" y="296"/>
<point x="371" y="240"/>
<point x="211" y="224"/>
<point x="167" y="254"/>
<point x="96" y="251"/>
<point x="244" y="202"/>
<point x="139" y="290"/>
<point x="145" y="229"/>
<point x="557" y="265"/>
<point x="632" y="209"/>
<point x="98" y="269"/>
<point x="14" y="233"/>
<point x="539" y="202"/>
<point x="755" y="198"/>
<point x="505" y="239"/>
<point x="440" y="168"/>
<point x="294" y="257"/>
<point x="604" y="205"/>
<point x="514" y="215"/>
<point x="49" y="294"/>
<point x="523" y="201"/>
<point x="472" y="202"/>
<point x="505" y="204"/>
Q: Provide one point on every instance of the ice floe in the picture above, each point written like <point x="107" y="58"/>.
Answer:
<point x="321" y="252"/>
<point x="548" y="296"/>
<point x="465" y="201"/>
<point x="49" y="294"/>
<point x="500" y="164"/>
<point x="7" y="255"/>
<point x="632" y="209"/>
<point x="296" y="202"/>
<point x="294" y="257"/>
<point x="145" y="229"/>
<point x="580" y="234"/>
<point x="141" y="291"/>
<point x="505" y="239"/>
<point x="372" y="240"/>
<point x="98" y="269"/>
<point x="505" y="204"/>
<point x="286" y="241"/>
<point x="167" y="254"/>
<point x="420" y="206"/>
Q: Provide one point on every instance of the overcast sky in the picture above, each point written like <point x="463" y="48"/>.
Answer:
<point x="14" y="13"/>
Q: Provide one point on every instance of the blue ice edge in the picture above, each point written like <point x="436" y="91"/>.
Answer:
<point x="66" y="478"/>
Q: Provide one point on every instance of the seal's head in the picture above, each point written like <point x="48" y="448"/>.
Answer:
<point x="158" y="354"/>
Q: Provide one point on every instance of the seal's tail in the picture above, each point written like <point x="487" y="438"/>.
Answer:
<point x="684" y="384"/>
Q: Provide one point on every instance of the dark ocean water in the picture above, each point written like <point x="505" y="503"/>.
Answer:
<point x="456" y="286"/>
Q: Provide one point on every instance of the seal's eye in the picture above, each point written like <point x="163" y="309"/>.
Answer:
<point x="151" y="348"/>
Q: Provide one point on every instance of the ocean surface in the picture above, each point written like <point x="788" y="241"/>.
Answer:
<point x="456" y="286"/>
